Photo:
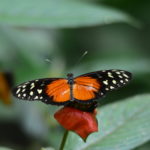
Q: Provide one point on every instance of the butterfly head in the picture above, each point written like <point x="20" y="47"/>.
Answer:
<point x="70" y="75"/>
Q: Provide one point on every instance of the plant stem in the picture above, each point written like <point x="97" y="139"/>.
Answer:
<point x="64" y="140"/>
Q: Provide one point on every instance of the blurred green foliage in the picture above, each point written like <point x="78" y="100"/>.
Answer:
<point x="47" y="39"/>
<point x="128" y="129"/>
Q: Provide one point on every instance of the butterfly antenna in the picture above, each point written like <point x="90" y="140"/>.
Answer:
<point x="48" y="61"/>
<point x="82" y="56"/>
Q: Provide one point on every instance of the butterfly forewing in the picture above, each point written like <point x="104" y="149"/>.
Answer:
<point x="113" y="79"/>
<point x="59" y="90"/>
<point x="49" y="90"/>
<point x="85" y="88"/>
<point x="95" y="84"/>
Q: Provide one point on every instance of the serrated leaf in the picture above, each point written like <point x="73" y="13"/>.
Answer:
<point x="122" y="126"/>
<point x="51" y="13"/>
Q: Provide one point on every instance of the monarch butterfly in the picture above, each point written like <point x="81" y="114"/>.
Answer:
<point x="83" y="89"/>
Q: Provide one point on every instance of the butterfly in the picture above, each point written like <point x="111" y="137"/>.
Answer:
<point x="6" y="83"/>
<point x="85" y="88"/>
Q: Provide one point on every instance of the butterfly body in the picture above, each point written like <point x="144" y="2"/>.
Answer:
<point x="6" y="82"/>
<point x="85" y="88"/>
<point x="70" y="82"/>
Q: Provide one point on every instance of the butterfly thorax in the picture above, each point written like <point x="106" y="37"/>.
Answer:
<point x="70" y="78"/>
<point x="70" y="82"/>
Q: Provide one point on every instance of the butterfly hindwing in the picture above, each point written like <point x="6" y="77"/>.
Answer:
<point x="96" y="84"/>
<point x="47" y="90"/>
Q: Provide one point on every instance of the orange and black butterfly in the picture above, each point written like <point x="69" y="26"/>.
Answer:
<point x="82" y="89"/>
<point x="6" y="83"/>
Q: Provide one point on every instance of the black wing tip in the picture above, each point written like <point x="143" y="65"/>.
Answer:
<point x="13" y="91"/>
<point x="129" y="74"/>
<point x="123" y="71"/>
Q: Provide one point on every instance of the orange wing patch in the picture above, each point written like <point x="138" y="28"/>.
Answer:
<point x="4" y="90"/>
<point x="85" y="88"/>
<point x="59" y="90"/>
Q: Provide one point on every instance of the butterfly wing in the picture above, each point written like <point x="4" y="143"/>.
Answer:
<point x="94" y="85"/>
<point x="6" y="82"/>
<point x="48" y="90"/>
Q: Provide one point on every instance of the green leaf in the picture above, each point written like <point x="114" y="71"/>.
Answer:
<point x="49" y="148"/>
<point x="145" y="146"/>
<point x="4" y="148"/>
<point x="7" y="113"/>
<point x="55" y="13"/>
<point x="122" y="126"/>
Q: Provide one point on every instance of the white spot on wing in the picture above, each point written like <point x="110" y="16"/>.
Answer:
<point x="105" y="82"/>
<point x="121" y="81"/>
<point x="31" y="93"/>
<point x="111" y="87"/>
<point x="120" y="76"/>
<point x="24" y="86"/>
<point x="42" y="84"/>
<point x="114" y="81"/>
<point x="110" y="75"/>
<point x="32" y="85"/>
<point x="39" y="91"/>
<point x="24" y="95"/>
<point x="23" y="90"/>
<point x="117" y="72"/>
<point x="36" y="97"/>
<point x="102" y="93"/>
<point x="125" y="75"/>
<point x="18" y="91"/>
